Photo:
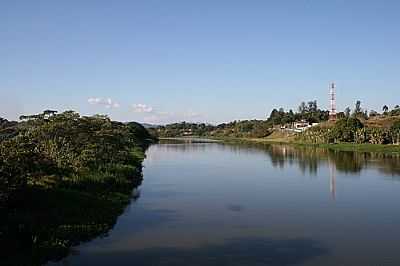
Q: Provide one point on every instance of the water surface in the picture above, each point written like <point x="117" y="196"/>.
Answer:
<point x="218" y="204"/>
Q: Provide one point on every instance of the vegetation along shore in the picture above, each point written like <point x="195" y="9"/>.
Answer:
<point x="64" y="179"/>
<point x="357" y="130"/>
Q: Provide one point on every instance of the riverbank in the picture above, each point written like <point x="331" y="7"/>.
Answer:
<point x="381" y="148"/>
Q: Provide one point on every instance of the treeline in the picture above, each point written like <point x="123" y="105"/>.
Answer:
<point x="245" y="128"/>
<point x="64" y="178"/>
<point x="308" y="112"/>
<point x="235" y="129"/>
<point x="375" y="127"/>
<point x="352" y="130"/>
<point x="182" y="129"/>
<point x="361" y="113"/>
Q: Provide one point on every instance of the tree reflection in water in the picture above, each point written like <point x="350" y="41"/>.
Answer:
<point x="311" y="158"/>
<point x="308" y="158"/>
<point x="51" y="222"/>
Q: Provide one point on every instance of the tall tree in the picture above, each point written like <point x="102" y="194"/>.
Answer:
<point x="302" y="108"/>
<point x="347" y="112"/>
<point x="357" y="109"/>
<point x="385" y="108"/>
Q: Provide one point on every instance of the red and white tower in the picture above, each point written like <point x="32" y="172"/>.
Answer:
<point x="332" y="94"/>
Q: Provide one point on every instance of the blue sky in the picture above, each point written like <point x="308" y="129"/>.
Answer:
<point x="163" y="61"/>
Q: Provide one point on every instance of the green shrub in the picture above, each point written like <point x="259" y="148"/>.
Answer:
<point x="379" y="136"/>
<point x="345" y="129"/>
<point x="395" y="133"/>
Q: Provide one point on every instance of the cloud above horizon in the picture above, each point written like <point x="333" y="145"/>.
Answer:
<point x="142" y="108"/>
<point x="149" y="114"/>
<point x="106" y="102"/>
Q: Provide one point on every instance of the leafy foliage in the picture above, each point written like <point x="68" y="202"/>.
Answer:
<point x="345" y="129"/>
<point x="308" y="112"/>
<point x="352" y="130"/>
<point x="64" y="179"/>
<point x="245" y="128"/>
<point x="237" y="129"/>
<point x="395" y="132"/>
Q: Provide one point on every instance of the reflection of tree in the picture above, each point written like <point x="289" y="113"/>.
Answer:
<point x="51" y="222"/>
<point x="347" y="162"/>
<point x="388" y="164"/>
<point x="309" y="158"/>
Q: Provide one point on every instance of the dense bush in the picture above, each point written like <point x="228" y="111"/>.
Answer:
<point x="379" y="136"/>
<point x="64" y="179"/>
<point x="66" y="145"/>
<point x="395" y="133"/>
<point x="361" y="136"/>
<point x="351" y="130"/>
<point x="316" y="135"/>
<point x="345" y="129"/>
<point x="235" y="129"/>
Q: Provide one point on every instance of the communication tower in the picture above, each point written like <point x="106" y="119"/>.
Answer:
<point x="332" y="94"/>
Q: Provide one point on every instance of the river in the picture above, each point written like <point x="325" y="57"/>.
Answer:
<point x="220" y="204"/>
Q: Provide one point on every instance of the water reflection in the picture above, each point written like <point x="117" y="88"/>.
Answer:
<point x="308" y="159"/>
<point x="224" y="204"/>
<point x="53" y="222"/>
<point x="311" y="159"/>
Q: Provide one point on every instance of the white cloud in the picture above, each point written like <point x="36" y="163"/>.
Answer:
<point x="106" y="102"/>
<point x="142" y="108"/>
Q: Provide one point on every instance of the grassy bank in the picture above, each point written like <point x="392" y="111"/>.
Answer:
<point x="390" y="149"/>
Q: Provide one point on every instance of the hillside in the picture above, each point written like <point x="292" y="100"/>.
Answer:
<point x="381" y="121"/>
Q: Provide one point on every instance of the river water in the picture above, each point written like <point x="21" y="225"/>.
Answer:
<point x="219" y="204"/>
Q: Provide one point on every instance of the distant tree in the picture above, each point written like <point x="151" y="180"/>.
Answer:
<point x="291" y="116"/>
<point x="347" y="112"/>
<point x="357" y="109"/>
<point x="49" y="112"/>
<point x="312" y="106"/>
<point x="274" y="116"/>
<point x="395" y="111"/>
<point x="385" y="109"/>
<point x="302" y="108"/>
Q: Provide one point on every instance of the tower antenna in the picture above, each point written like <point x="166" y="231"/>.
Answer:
<point x="332" y="94"/>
